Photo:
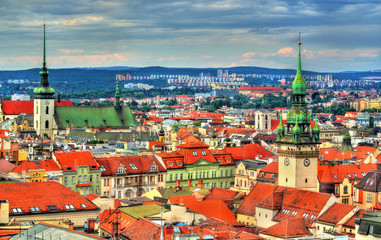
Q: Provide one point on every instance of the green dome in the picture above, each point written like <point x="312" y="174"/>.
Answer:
<point x="44" y="91"/>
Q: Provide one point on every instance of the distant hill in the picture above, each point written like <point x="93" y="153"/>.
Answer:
<point x="103" y="78"/>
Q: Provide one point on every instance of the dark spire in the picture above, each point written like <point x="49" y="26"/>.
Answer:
<point x="117" y="95"/>
<point x="44" y="91"/>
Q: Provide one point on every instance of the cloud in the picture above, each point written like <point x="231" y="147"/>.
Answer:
<point x="71" y="51"/>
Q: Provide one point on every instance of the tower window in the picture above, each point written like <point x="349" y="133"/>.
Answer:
<point x="47" y="124"/>
<point x="47" y="109"/>
<point x="306" y="180"/>
<point x="286" y="179"/>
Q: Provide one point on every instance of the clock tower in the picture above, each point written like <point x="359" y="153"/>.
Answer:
<point x="44" y="102"/>
<point x="298" y="144"/>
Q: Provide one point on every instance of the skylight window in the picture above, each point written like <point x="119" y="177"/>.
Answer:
<point x="313" y="216"/>
<point x="194" y="153"/>
<point x="69" y="206"/>
<point x="52" y="207"/>
<point x="35" y="209"/>
<point x="170" y="163"/>
<point x="133" y="166"/>
<point x="305" y="215"/>
<point x="17" y="210"/>
<point x="355" y="175"/>
<point x="203" y="153"/>
<point x="180" y="163"/>
<point x="83" y="205"/>
<point x="103" y="169"/>
<point x="285" y="211"/>
<point x="363" y="174"/>
<point x="334" y="175"/>
<point x="294" y="213"/>
<point x="349" y="175"/>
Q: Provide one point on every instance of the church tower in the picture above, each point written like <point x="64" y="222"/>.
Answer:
<point x="44" y="102"/>
<point x="298" y="144"/>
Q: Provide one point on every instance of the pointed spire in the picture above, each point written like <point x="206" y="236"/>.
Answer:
<point x="44" y="57"/>
<point x="117" y="95"/>
<point x="44" y="91"/>
<point x="299" y="69"/>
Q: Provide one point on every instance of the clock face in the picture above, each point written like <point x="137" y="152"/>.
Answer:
<point x="286" y="161"/>
<point x="46" y="102"/>
<point x="306" y="162"/>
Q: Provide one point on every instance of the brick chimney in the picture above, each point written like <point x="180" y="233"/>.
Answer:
<point x="4" y="212"/>
<point x="178" y="183"/>
<point x="189" y="182"/>
<point x="200" y="184"/>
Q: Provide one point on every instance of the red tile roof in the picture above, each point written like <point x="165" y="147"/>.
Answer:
<point x="336" y="174"/>
<point x="92" y="196"/>
<point x="212" y="208"/>
<point x="359" y="152"/>
<point x="25" y="195"/>
<point x="248" y="151"/>
<point x="221" y="194"/>
<point x="336" y="213"/>
<point x="17" y="107"/>
<point x="298" y="203"/>
<point x="351" y="222"/>
<point x="259" y="192"/>
<point x="49" y="165"/>
<point x="134" y="231"/>
<point x="181" y="199"/>
<point x="108" y="217"/>
<point x="70" y="161"/>
<point x="271" y="168"/>
<point x="6" y="166"/>
<point x="130" y="164"/>
<point x="288" y="228"/>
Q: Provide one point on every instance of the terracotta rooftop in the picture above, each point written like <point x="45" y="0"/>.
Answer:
<point x="259" y="192"/>
<point x="288" y="228"/>
<point x="336" y="213"/>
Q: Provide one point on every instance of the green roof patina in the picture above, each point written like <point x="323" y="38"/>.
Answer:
<point x="143" y="210"/>
<point x="185" y="191"/>
<point x="299" y="84"/>
<point x="94" y="117"/>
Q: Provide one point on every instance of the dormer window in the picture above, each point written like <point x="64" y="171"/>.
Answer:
<point x="203" y="153"/>
<point x="180" y="163"/>
<point x="153" y="168"/>
<point x="194" y="153"/>
<point x="170" y="163"/>
<point x="120" y="170"/>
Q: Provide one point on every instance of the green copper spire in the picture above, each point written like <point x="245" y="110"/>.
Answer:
<point x="117" y="95"/>
<point x="280" y="127"/>
<point x="44" y="91"/>
<point x="299" y="84"/>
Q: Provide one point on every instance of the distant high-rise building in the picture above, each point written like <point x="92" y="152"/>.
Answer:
<point x="219" y="72"/>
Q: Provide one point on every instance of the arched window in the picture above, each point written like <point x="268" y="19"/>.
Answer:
<point x="47" y="109"/>
<point x="47" y="124"/>
<point x="36" y="109"/>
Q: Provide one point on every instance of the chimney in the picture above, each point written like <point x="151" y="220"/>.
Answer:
<point x="177" y="183"/>
<point x="4" y="212"/>
<point x="189" y="182"/>
<point x="200" y="184"/>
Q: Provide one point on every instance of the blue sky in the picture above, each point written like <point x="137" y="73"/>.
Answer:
<point x="337" y="35"/>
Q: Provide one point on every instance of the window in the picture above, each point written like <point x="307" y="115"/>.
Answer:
<point x="203" y="153"/>
<point x="65" y="180"/>
<point x="181" y="176"/>
<point x="345" y="201"/>
<point x="313" y="216"/>
<point x="194" y="153"/>
<point x="47" y="110"/>
<point x="153" y="168"/>
<point x="91" y="178"/>
<point x="170" y="163"/>
<point x="334" y="176"/>
<point x="355" y="175"/>
<point x="103" y="169"/>
<point x="47" y="124"/>
<point x="133" y="166"/>
<point x="294" y="213"/>
<point x="85" y="178"/>
<point x="371" y="229"/>
<point x="69" y="206"/>
<point x="180" y="163"/>
<point x="16" y="210"/>
<point x="35" y="209"/>
<point x="170" y="177"/>
<point x="73" y="179"/>
<point x="83" y="205"/>
<point x="363" y="174"/>
<point x="305" y="215"/>
<point x="79" y="179"/>
<point x="120" y="170"/>
<point x="345" y="190"/>
<point x="52" y="207"/>
<point x="369" y="197"/>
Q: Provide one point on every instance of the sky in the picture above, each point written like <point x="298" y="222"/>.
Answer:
<point x="336" y="35"/>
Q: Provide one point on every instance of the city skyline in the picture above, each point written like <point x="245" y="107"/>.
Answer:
<point x="192" y="34"/>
